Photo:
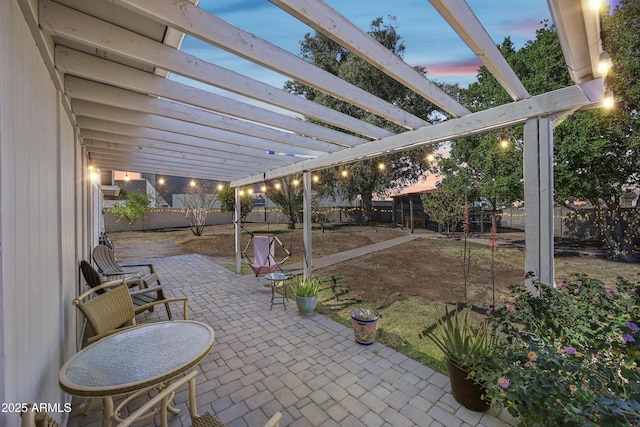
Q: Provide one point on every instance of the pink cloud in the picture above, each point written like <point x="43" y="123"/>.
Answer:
<point x="467" y="67"/>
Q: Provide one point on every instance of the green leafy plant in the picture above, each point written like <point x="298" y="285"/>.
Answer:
<point x="365" y="313"/>
<point x="306" y="286"/>
<point x="568" y="357"/>
<point x="460" y="338"/>
<point x="133" y="209"/>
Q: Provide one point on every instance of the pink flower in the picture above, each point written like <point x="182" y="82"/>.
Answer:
<point x="570" y="350"/>
<point x="561" y="284"/>
<point x="576" y="291"/>
<point x="511" y="308"/>
<point x="503" y="382"/>
<point x="533" y="356"/>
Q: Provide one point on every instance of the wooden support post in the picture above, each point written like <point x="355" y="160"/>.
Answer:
<point x="538" y="199"/>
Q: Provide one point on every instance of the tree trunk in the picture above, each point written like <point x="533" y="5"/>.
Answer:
<point x="366" y="209"/>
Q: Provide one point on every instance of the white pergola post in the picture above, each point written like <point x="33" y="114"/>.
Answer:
<point x="306" y="223"/>
<point x="538" y="200"/>
<point x="238" y="231"/>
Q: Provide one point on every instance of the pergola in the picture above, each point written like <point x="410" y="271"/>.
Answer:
<point x="111" y="60"/>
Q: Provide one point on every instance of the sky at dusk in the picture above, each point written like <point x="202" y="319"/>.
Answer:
<point x="429" y="40"/>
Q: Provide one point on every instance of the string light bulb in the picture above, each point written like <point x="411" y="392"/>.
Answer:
<point x="295" y="182"/>
<point x="604" y="63"/>
<point x="277" y="185"/>
<point x="344" y="173"/>
<point x="382" y="166"/>
<point x="161" y="181"/>
<point x="315" y="178"/>
<point x="263" y="188"/>
<point x="192" y="183"/>
<point x="608" y="100"/>
<point x="430" y="157"/>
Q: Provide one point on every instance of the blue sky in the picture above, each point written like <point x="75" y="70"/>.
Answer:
<point x="429" y="40"/>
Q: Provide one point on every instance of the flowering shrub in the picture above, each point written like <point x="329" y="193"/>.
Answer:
<point x="568" y="356"/>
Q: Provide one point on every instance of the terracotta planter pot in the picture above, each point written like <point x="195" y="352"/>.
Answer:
<point x="465" y="391"/>
<point x="364" y="330"/>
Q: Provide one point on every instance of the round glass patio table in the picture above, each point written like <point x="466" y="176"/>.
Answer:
<point x="135" y="359"/>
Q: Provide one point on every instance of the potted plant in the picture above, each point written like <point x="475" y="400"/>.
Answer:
<point x="463" y="342"/>
<point x="364" y="321"/>
<point x="306" y="290"/>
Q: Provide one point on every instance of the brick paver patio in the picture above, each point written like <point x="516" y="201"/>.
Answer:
<point x="308" y="368"/>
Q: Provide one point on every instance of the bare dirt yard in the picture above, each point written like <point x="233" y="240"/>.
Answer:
<point x="429" y="268"/>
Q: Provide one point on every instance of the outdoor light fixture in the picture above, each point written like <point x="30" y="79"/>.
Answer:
<point x="382" y="166"/>
<point x="126" y="176"/>
<point x="430" y="157"/>
<point x="220" y="187"/>
<point x="344" y="173"/>
<point x="595" y="4"/>
<point x="277" y="185"/>
<point x="315" y="178"/>
<point x="295" y="182"/>
<point x="263" y="188"/>
<point x="192" y="183"/>
<point x="608" y="100"/>
<point x="604" y="64"/>
<point x="161" y="181"/>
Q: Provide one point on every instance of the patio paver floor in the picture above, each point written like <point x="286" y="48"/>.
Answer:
<point x="308" y="368"/>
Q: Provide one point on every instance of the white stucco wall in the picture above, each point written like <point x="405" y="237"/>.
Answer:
<point x="40" y="223"/>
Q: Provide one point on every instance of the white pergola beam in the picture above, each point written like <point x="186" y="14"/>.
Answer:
<point x="464" y="22"/>
<point x="119" y="163"/>
<point x="190" y="19"/>
<point x="89" y="67"/>
<point x="75" y="26"/>
<point x="495" y="118"/>
<point x="162" y="156"/>
<point x="99" y="93"/>
<point x="327" y="21"/>
<point x="130" y="143"/>
<point x="119" y="115"/>
<point x="578" y="29"/>
<point x="232" y="150"/>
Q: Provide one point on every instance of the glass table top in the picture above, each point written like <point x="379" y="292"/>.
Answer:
<point x="138" y="355"/>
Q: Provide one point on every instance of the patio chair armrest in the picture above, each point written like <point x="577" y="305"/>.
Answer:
<point x="148" y="265"/>
<point x="185" y="302"/>
<point x="143" y="291"/>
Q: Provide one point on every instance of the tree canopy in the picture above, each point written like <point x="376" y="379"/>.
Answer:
<point x="596" y="156"/>
<point x="365" y="178"/>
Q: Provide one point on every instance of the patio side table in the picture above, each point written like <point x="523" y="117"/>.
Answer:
<point x="277" y="280"/>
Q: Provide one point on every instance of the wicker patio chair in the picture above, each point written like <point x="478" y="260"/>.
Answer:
<point x="110" y="311"/>
<point x="36" y="418"/>
<point x="105" y="259"/>
<point x="143" y="293"/>
<point x="164" y="398"/>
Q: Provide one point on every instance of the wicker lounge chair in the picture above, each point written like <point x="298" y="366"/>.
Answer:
<point x="110" y="311"/>
<point x="105" y="259"/>
<point x="164" y="398"/>
<point x="144" y="294"/>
